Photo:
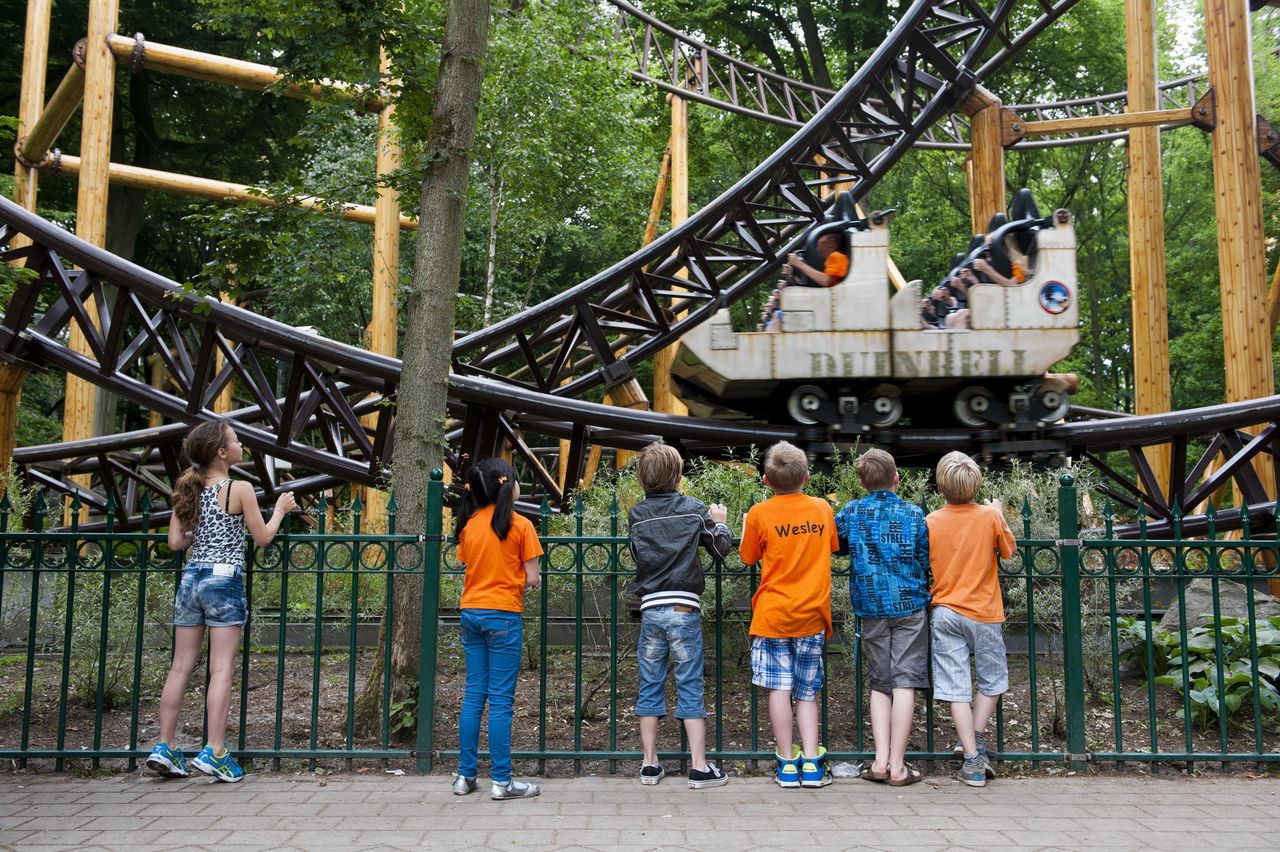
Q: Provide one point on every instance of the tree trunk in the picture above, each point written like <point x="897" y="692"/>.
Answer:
<point x="813" y="43"/>
<point x="429" y="316"/>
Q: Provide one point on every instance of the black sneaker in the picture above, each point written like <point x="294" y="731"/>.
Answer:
<point x="652" y="774"/>
<point x="709" y="777"/>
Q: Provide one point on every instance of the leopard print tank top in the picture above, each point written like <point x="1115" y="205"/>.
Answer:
<point x="218" y="537"/>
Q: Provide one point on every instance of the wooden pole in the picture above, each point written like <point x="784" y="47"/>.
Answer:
<point x="986" y="158"/>
<point x="386" y="269"/>
<point x="91" y="198"/>
<point x="157" y="376"/>
<point x="1015" y="128"/>
<point x="231" y="72"/>
<point x="37" y="136"/>
<point x="1273" y="300"/>
<point x="664" y="398"/>
<point x="224" y="403"/>
<point x="1246" y="337"/>
<point x="1152" y="392"/>
<point x="215" y="190"/>
<point x="35" y="56"/>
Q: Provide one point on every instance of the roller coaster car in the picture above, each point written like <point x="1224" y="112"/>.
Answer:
<point x="854" y="356"/>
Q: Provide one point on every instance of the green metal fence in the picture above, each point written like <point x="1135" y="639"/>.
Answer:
<point x="85" y="644"/>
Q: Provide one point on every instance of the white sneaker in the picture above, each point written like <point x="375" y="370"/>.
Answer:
<point x="513" y="790"/>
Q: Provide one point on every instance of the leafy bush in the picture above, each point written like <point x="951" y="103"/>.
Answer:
<point x="1194" y="663"/>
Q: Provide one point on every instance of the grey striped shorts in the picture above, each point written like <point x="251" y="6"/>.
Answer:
<point x="955" y="638"/>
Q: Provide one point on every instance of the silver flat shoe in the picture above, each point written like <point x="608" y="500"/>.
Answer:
<point x="512" y="790"/>
<point x="462" y="785"/>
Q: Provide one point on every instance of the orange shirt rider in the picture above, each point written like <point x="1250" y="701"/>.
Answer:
<point x="835" y="264"/>
<point x="495" y="577"/>
<point x="792" y="536"/>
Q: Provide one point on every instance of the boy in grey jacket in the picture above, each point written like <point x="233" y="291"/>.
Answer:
<point x="666" y="529"/>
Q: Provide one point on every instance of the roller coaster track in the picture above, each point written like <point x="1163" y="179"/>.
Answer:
<point x="679" y="63"/>
<point x="539" y="363"/>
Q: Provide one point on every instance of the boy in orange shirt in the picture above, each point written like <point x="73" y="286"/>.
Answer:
<point x="966" y="542"/>
<point x="792" y="536"/>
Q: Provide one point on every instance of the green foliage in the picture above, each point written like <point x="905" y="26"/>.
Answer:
<point x="1193" y="665"/>
<point x="81" y="597"/>
<point x="403" y="715"/>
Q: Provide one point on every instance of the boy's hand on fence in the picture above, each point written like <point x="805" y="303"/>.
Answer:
<point x="718" y="513"/>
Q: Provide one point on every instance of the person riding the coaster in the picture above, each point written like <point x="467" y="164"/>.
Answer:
<point x="835" y="265"/>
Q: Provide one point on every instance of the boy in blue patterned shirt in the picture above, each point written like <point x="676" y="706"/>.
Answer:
<point x="888" y="545"/>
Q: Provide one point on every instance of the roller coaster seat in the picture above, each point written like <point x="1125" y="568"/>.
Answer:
<point x="859" y="302"/>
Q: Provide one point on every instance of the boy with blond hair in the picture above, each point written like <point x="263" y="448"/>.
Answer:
<point x="665" y="530"/>
<point x="966" y="542"/>
<point x="888" y="546"/>
<point x="792" y="536"/>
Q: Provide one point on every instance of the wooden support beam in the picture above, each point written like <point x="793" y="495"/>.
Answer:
<point x="1273" y="300"/>
<point x="382" y="337"/>
<point x="986" y="158"/>
<point x="215" y="190"/>
<point x="1246" y="337"/>
<point x="1014" y="129"/>
<point x="91" y="196"/>
<point x="664" y="397"/>
<point x="41" y="133"/>
<point x="230" y="72"/>
<point x="1149" y="304"/>
<point x="35" y="56"/>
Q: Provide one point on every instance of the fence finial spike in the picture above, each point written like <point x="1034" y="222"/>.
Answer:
<point x="392" y="505"/>
<point x="5" y="504"/>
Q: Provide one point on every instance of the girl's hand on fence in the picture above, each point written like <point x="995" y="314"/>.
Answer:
<point x="718" y="512"/>
<point x="286" y="503"/>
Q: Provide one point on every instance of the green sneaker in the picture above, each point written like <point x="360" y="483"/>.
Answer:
<point x="168" y="762"/>
<point x="223" y="766"/>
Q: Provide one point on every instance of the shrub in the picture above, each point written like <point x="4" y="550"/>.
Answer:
<point x="1193" y="664"/>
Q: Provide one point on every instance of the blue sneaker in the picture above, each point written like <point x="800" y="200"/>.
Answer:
<point x="975" y="771"/>
<point x="168" y="762"/>
<point x="223" y="767"/>
<point x="788" y="772"/>
<point x="814" y="772"/>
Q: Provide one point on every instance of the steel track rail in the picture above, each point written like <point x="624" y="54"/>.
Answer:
<point x="685" y="66"/>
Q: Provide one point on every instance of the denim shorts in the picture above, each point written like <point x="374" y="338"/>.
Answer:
<point x="670" y="639"/>
<point x="955" y="638"/>
<point x="210" y="594"/>
<point x="794" y="664"/>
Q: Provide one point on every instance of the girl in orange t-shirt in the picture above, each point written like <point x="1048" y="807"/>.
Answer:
<point x="500" y="550"/>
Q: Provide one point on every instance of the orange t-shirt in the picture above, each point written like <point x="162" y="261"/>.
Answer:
<point x="837" y="266"/>
<point x="964" y="541"/>
<point x="792" y="536"/>
<point x="495" y="567"/>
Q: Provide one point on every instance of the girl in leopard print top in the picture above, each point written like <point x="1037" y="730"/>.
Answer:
<point x="210" y="512"/>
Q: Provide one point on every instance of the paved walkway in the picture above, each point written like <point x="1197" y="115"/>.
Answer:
<point x="359" y="812"/>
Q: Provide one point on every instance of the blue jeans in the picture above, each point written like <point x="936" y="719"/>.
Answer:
<point x="669" y="637"/>
<point x="491" y="642"/>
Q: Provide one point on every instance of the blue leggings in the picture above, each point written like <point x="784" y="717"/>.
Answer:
<point x="491" y="641"/>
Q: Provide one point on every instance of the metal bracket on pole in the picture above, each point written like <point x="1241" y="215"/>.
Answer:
<point x="1204" y="113"/>
<point x="1268" y="141"/>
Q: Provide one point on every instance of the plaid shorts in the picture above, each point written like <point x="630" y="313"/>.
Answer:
<point x="794" y="664"/>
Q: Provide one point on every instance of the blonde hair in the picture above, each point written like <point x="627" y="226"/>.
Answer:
<point x="785" y="466"/>
<point x="876" y="470"/>
<point x="958" y="477"/>
<point x="659" y="466"/>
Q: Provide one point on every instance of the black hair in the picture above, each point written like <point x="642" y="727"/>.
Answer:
<point x="490" y="482"/>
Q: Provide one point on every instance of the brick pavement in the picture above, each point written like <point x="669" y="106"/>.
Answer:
<point x="412" y="812"/>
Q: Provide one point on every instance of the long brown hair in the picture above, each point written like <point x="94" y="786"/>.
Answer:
<point x="199" y="448"/>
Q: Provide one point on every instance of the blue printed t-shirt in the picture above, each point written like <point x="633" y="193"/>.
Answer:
<point x="888" y="545"/>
